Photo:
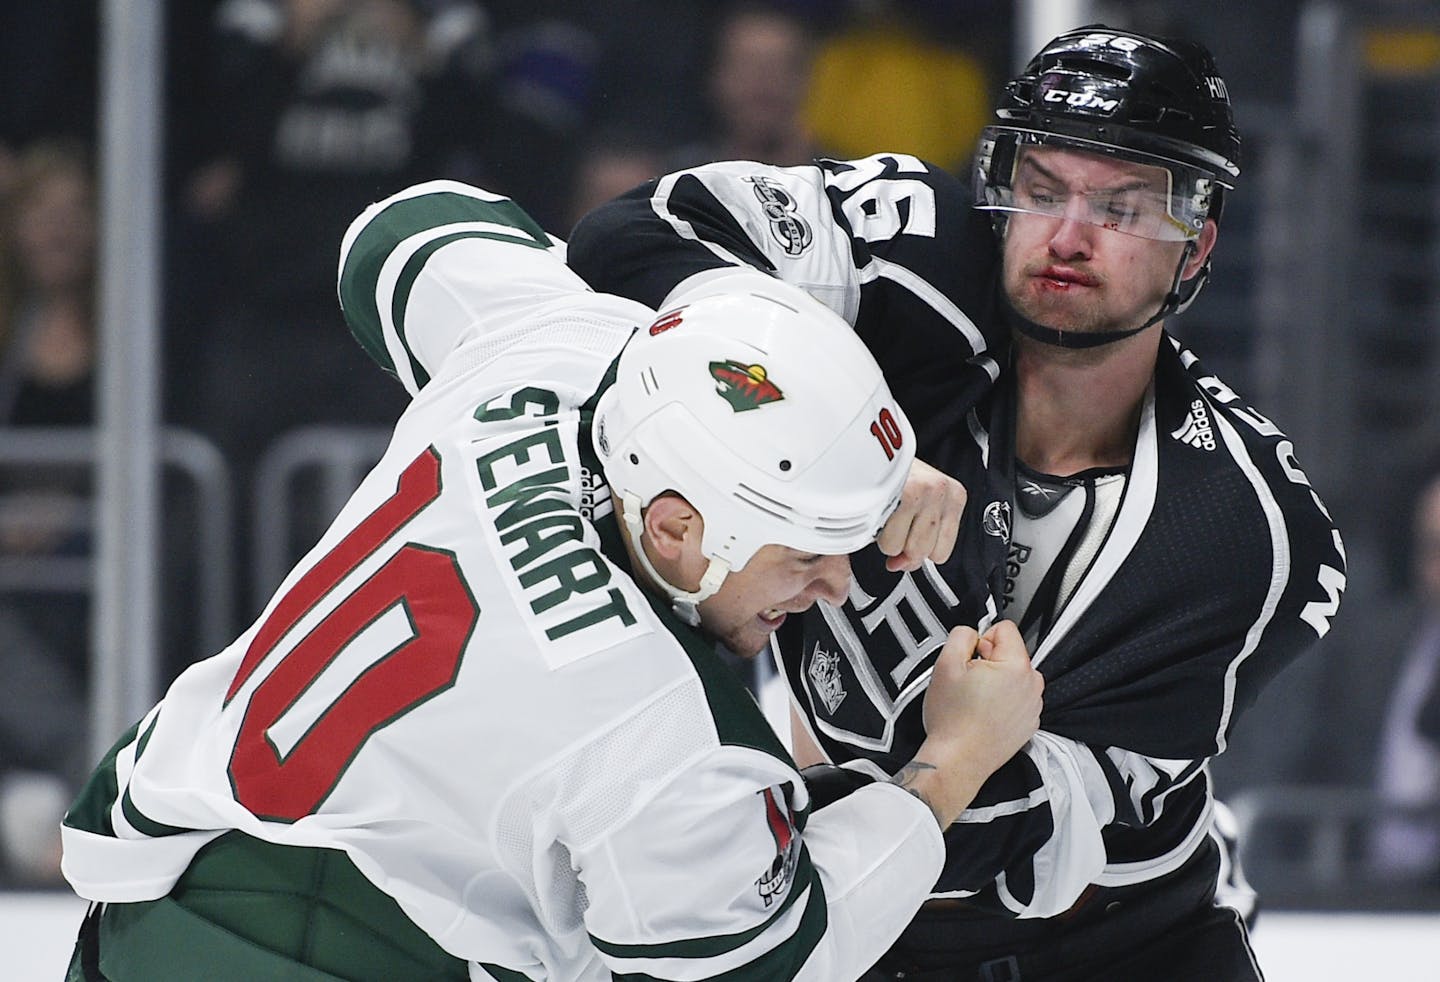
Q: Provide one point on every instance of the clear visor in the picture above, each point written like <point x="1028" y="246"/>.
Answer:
<point x="1039" y="173"/>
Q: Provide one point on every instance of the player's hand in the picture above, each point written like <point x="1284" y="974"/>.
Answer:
<point x="984" y="695"/>
<point x="982" y="705"/>
<point x="927" y="521"/>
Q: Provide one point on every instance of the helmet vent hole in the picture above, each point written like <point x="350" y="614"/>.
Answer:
<point x="1089" y="66"/>
<point x="634" y="459"/>
<point x="785" y="465"/>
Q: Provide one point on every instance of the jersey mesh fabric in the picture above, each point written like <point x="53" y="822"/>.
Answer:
<point x="592" y="335"/>
<point x="643" y="751"/>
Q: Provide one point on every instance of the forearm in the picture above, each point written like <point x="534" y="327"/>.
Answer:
<point x="945" y="778"/>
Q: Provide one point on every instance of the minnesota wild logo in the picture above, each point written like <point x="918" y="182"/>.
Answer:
<point x="744" y="386"/>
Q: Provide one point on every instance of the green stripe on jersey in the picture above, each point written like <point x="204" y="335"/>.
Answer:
<point x="93" y="806"/>
<point x="719" y="944"/>
<point x="90" y="810"/>
<point x="398" y="221"/>
<point x="504" y="974"/>
<point x="143" y="824"/>
<point x="738" y="720"/>
<point x="781" y="962"/>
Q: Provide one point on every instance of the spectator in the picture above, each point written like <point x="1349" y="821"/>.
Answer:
<point x="48" y="71"/>
<point x="756" y="85"/>
<point x="47" y="358"/>
<point x="1407" y="849"/>
<point x="542" y="103"/>
<point x="47" y="339"/>
<point x="886" y="80"/>
<point x="319" y="107"/>
<point x="611" y="163"/>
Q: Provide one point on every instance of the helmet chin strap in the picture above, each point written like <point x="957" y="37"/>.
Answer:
<point x="685" y="604"/>
<point x="1175" y="301"/>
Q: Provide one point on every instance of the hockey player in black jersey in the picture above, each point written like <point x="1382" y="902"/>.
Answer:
<point x="1153" y="535"/>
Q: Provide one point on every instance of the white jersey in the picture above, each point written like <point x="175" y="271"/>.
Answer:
<point x="462" y="688"/>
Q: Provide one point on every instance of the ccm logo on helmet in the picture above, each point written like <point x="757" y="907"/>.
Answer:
<point x="1082" y="100"/>
<point x="1112" y="41"/>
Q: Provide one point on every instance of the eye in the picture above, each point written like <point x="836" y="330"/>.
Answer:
<point x="1125" y="206"/>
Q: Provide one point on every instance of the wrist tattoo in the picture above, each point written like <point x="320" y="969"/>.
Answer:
<point x="906" y="777"/>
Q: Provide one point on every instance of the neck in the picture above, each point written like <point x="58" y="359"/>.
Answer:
<point x="1080" y="408"/>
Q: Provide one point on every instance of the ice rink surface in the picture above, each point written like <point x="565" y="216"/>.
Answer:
<point x="37" y="931"/>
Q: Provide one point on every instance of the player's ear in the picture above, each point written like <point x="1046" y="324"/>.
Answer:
<point x="1204" y="243"/>
<point x="672" y="525"/>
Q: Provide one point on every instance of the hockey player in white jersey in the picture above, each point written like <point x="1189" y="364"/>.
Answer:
<point x="482" y="730"/>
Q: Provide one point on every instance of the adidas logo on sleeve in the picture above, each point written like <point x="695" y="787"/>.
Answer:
<point x="1196" y="431"/>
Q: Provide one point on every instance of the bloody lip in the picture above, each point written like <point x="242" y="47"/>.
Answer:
<point x="1057" y="278"/>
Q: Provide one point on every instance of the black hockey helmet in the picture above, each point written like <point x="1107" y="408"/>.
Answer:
<point x="1155" y="100"/>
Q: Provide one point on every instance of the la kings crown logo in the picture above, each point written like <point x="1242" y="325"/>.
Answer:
<point x="824" y="672"/>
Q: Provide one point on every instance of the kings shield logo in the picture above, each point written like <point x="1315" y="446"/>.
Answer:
<point x="745" y="387"/>
<point x="773" y="883"/>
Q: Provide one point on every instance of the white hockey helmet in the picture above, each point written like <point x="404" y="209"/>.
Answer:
<point x="764" y="410"/>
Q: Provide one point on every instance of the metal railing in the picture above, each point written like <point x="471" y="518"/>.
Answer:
<point x="339" y="456"/>
<point x="1313" y="846"/>
<point x="182" y="451"/>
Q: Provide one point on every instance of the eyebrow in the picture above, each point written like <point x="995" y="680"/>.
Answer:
<point x="1136" y="184"/>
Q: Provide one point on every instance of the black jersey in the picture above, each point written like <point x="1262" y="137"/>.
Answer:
<point x="1219" y="566"/>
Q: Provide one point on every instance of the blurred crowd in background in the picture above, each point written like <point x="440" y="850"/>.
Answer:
<point x="285" y="118"/>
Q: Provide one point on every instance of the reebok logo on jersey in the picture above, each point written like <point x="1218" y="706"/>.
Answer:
<point x="745" y="387"/>
<point x="789" y="229"/>
<point x="1014" y="563"/>
<point x="1196" y="430"/>
<point x="1037" y="500"/>
<point x="773" y="882"/>
<point x="824" y="672"/>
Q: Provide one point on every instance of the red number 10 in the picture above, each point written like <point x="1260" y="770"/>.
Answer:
<point x="887" y="431"/>
<point x="425" y="582"/>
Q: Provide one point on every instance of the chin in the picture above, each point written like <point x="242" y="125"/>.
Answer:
<point x="747" y="649"/>
<point x="746" y="644"/>
<point x="1056" y="313"/>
